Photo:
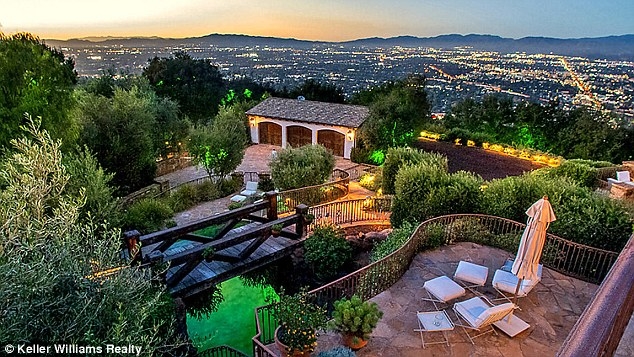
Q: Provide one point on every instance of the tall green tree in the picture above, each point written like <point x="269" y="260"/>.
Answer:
<point x="119" y="130"/>
<point x="196" y="84"/>
<point x="38" y="80"/>
<point x="397" y="115"/>
<point x="219" y="147"/>
<point x="56" y="295"/>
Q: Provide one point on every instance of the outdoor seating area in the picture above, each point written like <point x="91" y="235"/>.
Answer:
<point x="551" y="309"/>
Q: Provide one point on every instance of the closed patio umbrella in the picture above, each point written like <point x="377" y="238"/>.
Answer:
<point x="526" y="263"/>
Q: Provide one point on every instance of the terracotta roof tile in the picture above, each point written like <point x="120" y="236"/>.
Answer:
<point x="351" y="116"/>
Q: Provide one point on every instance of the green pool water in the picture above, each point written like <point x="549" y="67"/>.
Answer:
<point x="234" y="322"/>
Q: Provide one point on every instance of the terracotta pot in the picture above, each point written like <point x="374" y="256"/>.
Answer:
<point x="283" y="348"/>
<point x="275" y="233"/>
<point x="354" y="342"/>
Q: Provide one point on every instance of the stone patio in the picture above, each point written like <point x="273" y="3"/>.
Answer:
<point x="552" y="308"/>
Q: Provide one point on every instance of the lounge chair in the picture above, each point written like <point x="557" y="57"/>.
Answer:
<point x="505" y="282"/>
<point x="250" y="189"/>
<point x="479" y="314"/>
<point x="471" y="275"/>
<point x="621" y="177"/>
<point x="442" y="290"/>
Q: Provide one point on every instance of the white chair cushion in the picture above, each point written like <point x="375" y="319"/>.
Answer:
<point x="507" y="282"/>
<point x="623" y="176"/>
<point x="471" y="309"/>
<point x="479" y="314"/>
<point x="472" y="273"/>
<point x="238" y="198"/>
<point x="443" y="288"/>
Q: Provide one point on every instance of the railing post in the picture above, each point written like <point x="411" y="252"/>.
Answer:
<point x="271" y="211"/>
<point x="132" y="243"/>
<point x="300" y="227"/>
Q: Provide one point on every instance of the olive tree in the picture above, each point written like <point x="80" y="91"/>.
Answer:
<point x="57" y="294"/>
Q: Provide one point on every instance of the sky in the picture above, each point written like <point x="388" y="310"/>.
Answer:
<point x="327" y="20"/>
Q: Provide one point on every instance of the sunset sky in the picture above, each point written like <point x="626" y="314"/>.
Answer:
<point x="330" y="20"/>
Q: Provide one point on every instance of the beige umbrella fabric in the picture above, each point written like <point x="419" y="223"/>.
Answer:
<point x="526" y="263"/>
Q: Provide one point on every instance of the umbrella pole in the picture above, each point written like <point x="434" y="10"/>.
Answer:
<point x="517" y="290"/>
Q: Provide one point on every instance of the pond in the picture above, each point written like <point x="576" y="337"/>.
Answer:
<point x="233" y="324"/>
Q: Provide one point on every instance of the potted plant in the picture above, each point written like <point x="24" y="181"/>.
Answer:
<point x="276" y="229"/>
<point x="355" y="319"/>
<point x="298" y="321"/>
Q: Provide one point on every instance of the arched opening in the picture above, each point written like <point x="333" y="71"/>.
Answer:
<point x="297" y="136"/>
<point x="270" y="133"/>
<point x="332" y="140"/>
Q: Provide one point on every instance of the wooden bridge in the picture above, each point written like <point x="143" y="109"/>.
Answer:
<point x="195" y="262"/>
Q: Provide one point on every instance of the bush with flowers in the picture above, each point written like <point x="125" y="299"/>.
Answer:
<point x="299" y="319"/>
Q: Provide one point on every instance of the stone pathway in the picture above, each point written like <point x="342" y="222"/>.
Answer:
<point x="552" y="308"/>
<point x="256" y="159"/>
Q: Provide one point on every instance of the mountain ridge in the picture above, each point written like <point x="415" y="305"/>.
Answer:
<point x="620" y="47"/>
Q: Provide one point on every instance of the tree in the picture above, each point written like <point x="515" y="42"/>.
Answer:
<point x="196" y="84"/>
<point x="397" y="116"/>
<point x="315" y="90"/>
<point x="56" y="295"/>
<point x="119" y="130"/>
<point x="38" y="80"/>
<point x="219" y="147"/>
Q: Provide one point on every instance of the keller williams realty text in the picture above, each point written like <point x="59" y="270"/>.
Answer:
<point x="71" y="349"/>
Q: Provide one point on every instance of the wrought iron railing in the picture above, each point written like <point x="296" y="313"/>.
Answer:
<point x="600" y="328"/>
<point x="573" y="259"/>
<point x="351" y="211"/>
<point x="314" y="195"/>
<point x="221" y="351"/>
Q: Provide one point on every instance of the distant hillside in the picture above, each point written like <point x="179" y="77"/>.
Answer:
<point x="611" y="47"/>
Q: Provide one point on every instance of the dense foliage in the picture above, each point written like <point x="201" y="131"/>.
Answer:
<point x="398" y="112"/>
<point x="327" y="251"/>
<point x="399" y="157"/>
<point x="312" y="89"/>
<point x="578" y="133"/>
<point x="37" y="80"/>
<point x="582" y="216"/>
<point x="119" y="131"/>
<point x="196" y="84"/>
<point x="55" y="296"/>
<point x="305" y="166"/>
<point x="394" y="240"/>
<point x="339" y="351"/>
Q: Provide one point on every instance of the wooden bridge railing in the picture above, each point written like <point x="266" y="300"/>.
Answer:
<point x="559" y="254"/>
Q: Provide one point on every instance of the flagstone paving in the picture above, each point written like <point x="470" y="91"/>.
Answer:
<point x="256" y="159"/>
<point x="552" y="308"/>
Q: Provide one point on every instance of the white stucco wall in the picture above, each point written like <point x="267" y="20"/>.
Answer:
<point x="348" y="144"/>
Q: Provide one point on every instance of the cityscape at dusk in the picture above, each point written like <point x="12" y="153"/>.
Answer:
<point x="294" y="178"/>
<point x="317" y="20"/>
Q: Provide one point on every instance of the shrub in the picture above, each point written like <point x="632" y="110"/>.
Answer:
<point x="582" y="216"/>
<point x="229" y="186"/>
<point x="337" y="352"/>
<point x="394" y="240"/>
<point x="592" y="163"/>
<point x="305" y="166"/>
<point x="435" y="235"/>
<point x="580" y="172"/>
<point x="458" y="136"/>
<point x="360" y="155"/>
<point x="234" y="205"/>
<point x="147" y="215"/>
<point x="425" y="191"/>
<point x="399" y="157"/>
<point x="207" y="191"/>
<point x="266" y="184"/>
<point x="372" y="182"/>
<point x="327" y="250"/>
<point x="184" y="197"/>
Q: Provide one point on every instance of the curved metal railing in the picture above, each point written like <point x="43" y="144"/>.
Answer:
<point x="573" y="259"/>
<point x="314" y="195"/>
